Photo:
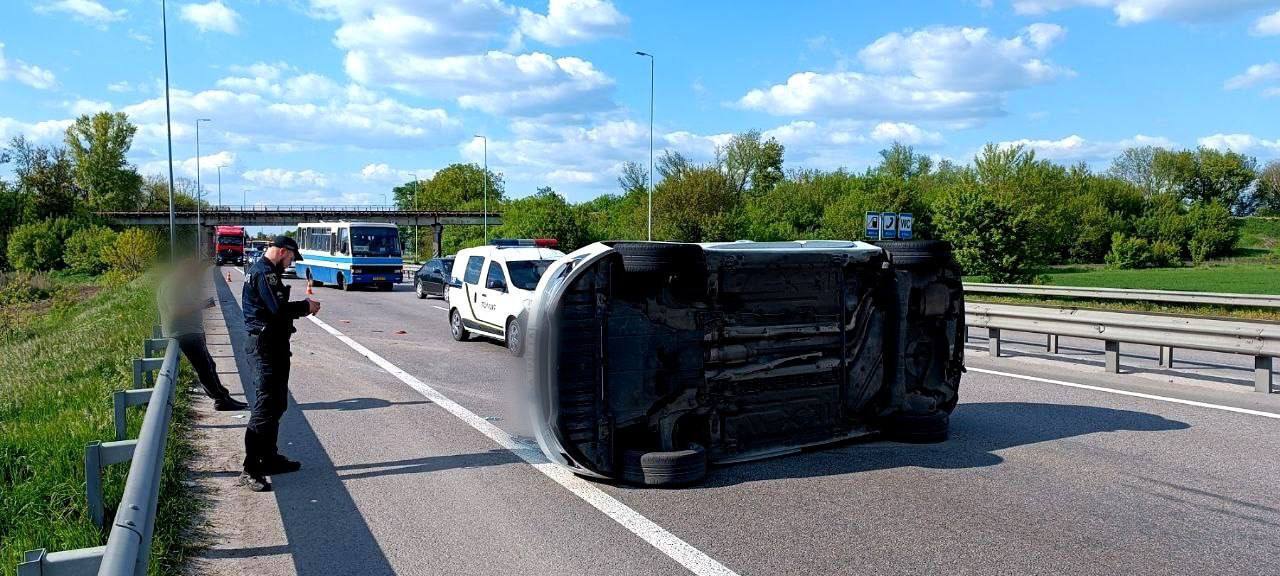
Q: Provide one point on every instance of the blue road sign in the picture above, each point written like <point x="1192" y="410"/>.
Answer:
<point x="905" y="222"/>
<point x="889" y="225"/>
<point x="873" y="225"/>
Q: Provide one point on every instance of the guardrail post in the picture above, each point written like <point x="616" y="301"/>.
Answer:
<point x="993" y="342"/>
<point x="1262" y="374"/>
<point x="38" y="562"/>
<point x="98" y="455"/>
<point x="1166" y="356"/>
<point x="121" y="400"/>
<point x="142" y="370"/>
<point x="1113" y="356"/>
<point x="1051" y="343"/>
<point x="157" y="331"/>
<point x="152" y="345"/>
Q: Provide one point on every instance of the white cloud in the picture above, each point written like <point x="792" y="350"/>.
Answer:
<point x="573" y="21"/>
<point x="383" y="173"/>
<point x="1241" y="143"/>
<point x="269" y="79"/>
<point x="904" y="133"/>
<point x="46" y="132"/>
<point x="29" y="74"/>
<point x="1075" y="148"/>
<point x="1253" y="76"/>
<point x="941" y="72"/>
<point x="212" y="16"/>
<point x="85" y="106"/>
<point x="1139" y="11"/>
<point x="282" y="178"/>
<point x="186" y="167"/>
<point x="1268" y="25"/>
<point x="90" y="11"/>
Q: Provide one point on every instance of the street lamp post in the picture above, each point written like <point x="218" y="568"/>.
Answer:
<point x="243" y="189"/>
<point x="199" y="191"/>
<point x="485" y="175"/>
<point x="416" y="229"/>
<point x="168" y="128"/>
<point x="650" y="56"/>
<point x="219" y="186"/>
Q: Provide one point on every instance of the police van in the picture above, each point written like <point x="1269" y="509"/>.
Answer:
<point x="491" y="286"/>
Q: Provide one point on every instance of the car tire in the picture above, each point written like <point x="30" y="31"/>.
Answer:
<point x="917" y="427"/>
<point x="917" y="252"/>
<point x="419" y="290"/>
<point x="515" y="337"/>
<point x="674" y="468"/>
<point x="456" y="329"/>
<point x="644" y="257"/>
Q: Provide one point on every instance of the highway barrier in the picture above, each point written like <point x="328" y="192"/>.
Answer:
<point x="128" y="548"/>
<point x="1163" y="296"/>
<point x="1257" y="339"/>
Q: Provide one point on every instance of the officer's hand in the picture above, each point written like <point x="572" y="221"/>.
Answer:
<point x="313" y="306"/>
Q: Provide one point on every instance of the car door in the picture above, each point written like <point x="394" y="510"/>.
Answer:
<point x="471" y="288"/>
<point x="493" y="296"/>
<point x="443" y="269"/>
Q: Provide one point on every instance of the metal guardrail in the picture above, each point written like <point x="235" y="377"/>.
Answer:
<point x="1165" y="296"/>
<point x="1262" y="341"/>
<point x="128" y="548"/>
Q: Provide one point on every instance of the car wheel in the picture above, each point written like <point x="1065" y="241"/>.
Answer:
<point x="515" y="337"/>
<point x="456" y="329"/>
<point x="419" y="290"/>
<point x="917" y="427"/>
<point x="665" y="468"/>
<point x="917" y="252"/>
<point x="658" y="256"/>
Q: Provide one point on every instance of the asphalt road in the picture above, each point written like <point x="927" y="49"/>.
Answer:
<point x="1038" y="477"/>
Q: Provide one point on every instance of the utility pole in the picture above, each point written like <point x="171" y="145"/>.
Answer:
<point x="168" y="128"/>
<point x="199" y="191"/>
<point x="650" y="56"/>
<point x="485" y="175"/>
<point x="219" y="187"/>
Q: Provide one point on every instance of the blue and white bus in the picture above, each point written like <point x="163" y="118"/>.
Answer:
<point x="348" y="254"/>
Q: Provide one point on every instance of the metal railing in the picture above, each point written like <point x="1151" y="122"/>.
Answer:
<point x="128" y="548"/>
<point x="1163" y="296"/>
<point x="1257" y="339"/>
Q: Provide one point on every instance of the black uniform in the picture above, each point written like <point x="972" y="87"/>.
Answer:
<point x="268" y="316"/>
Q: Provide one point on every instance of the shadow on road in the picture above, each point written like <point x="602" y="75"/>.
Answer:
<point x="430" y="464"/>
<point x="356" y="404"/>
<point x="327" y="533"/>
<point x="978" y="431"/>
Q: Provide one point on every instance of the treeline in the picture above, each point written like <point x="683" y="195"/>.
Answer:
<point x="47" y="217"/>
<point x="1007" y="212"/>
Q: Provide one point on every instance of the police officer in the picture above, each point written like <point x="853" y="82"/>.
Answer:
<point x="269" y="316"/>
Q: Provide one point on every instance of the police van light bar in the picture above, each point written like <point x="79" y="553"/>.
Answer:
<point x="538" y="242"/>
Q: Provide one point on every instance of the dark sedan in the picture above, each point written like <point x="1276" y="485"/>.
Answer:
<point x="430" y="279"/>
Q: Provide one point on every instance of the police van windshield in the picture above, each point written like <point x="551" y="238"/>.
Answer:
<point x="525" y="273"/>
<point x="375" y="242"/>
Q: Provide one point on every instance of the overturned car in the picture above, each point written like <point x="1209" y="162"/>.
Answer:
<point x="650" y="360"/>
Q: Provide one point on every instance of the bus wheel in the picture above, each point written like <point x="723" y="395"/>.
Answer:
<point x="313" y="281"/>
<point x="342" y="284"/>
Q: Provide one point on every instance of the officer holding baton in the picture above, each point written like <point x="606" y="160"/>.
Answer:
<point x="268" y="317"/>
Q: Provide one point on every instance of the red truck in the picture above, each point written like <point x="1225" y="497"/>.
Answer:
<point x="228" y="245"/>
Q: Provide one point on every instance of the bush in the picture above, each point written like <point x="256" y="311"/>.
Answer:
<point x="86" y="247"/>
<point x="34" y="246"/>
<point x="992" y="235"/>
<point x="18" y="287"/>
<point x="132" y="253"/>
<point x="1165" y="254"/>
<point x="1213" y="231"/>
<point x="1128" y="253"/>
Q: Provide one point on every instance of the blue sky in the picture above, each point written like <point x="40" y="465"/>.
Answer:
<point x="335" y="101"/>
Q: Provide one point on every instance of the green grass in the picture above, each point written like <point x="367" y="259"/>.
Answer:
<point x="59" y="364"/>
<point x="1239" y="278"/>
<point x="1260" y="234"/>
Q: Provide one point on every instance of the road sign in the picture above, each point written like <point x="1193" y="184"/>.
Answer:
<point x="873" y="225"/>
<point x="889" y="225"/>
<point x="905" y="222"/>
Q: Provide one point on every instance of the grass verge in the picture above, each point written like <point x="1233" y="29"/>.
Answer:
<point x="59" y="362"/>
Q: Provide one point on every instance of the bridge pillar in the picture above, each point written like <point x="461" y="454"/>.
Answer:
<point x="438" y="233"/>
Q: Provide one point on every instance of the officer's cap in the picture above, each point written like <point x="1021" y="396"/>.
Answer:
<point x="287" y="243"/>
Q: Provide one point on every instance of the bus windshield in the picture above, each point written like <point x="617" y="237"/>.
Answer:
<point x="376" y="242"/>
<point x="525" y="273"/>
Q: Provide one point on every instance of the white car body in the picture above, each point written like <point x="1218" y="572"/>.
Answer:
<point x="491" y="287"/>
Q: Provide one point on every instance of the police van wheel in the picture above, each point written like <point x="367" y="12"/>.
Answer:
<point x="456" y="329"/>
<point x="515" y="337"/>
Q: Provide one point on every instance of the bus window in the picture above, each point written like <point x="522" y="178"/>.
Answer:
<point x="343" y="242"/>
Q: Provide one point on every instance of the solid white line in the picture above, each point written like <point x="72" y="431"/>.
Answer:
<point x="657" y="536"/>
<point x="439" y="307"/>
<point x="1128" y="393"/>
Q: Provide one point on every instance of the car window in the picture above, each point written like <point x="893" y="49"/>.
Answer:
<point x="525" y="273"/>
<point x="474" y="264"/>
<point x="495" y="279"/>
<point x="446" y="266"/>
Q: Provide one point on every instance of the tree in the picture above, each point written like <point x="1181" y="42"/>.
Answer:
<point x="34" y="246"/>
<point x="751" y="164"/>
<point x="1208" y="175"/>
<point x="633" y="178"/>
<point x="133" y="252"/>
<point x="1267" y="192"/>
<point x="86" y="247"/>
<point x="45" y="175"/>
<point x="99" y="146"/>
<point x="992" y="234"/>
<point x="545" y="214"/>
<point x="1137" y="166"/>
<point x="696" y="204"/>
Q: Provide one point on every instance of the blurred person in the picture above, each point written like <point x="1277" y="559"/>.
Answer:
<point x="181" y="300"/>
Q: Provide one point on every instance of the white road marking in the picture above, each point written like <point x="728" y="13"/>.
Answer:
<point x="1128" y="393"/>
<point x="649" y="531"/>
<point x="439" y="307"/>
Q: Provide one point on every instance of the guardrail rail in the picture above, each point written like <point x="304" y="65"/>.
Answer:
<point x="1163" y="296"/>
<point x="128" y="548"/>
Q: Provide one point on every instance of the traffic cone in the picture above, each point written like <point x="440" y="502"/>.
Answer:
<point x="309" y="292"/>
<point x="228" y="277"/>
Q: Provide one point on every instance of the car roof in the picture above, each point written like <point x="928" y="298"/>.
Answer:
<point x="512" y="254"/>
